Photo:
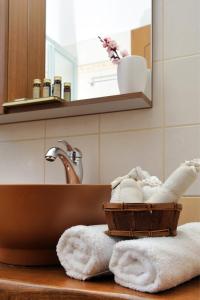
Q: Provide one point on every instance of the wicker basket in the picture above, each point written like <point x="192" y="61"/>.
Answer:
<point x="142" y="219"/>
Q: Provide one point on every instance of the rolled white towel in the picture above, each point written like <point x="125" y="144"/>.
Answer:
<point x="163" y="195"/>
<point x="136" y="174"/>
<point x="139" y="174"/>
<point x="130" y="191"/>
<point x="150" y="186"/>
<point x="115" y="197"/>
<point x="117" y="181"/>
<point x="156" y="264"/>
<point x="85" y="251"/>
<point x="194" y="162"/>
<point x="176" y="184"/>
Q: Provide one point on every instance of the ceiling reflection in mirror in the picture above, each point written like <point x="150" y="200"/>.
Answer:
<point x="101" y="48"/>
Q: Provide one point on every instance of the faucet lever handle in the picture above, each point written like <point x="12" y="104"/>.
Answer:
<point x="68" y="146"/>
<point x="74" y="153"/>
<point x="78" y="152"/>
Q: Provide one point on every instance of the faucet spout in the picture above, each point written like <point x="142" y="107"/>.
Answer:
<point x="71" y="162"/>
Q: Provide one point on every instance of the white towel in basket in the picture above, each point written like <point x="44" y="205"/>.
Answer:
<point x="128" y="191"/>
<point x="177" y="183"/>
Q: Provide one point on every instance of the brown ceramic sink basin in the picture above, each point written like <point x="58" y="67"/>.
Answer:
<point x="32" y="218"/>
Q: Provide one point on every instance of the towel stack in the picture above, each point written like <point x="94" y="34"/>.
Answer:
<point x="146" y="264"/>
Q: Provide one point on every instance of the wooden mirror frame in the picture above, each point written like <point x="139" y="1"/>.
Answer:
<point x="22" y="35"/>
<point x="22" y="58"/>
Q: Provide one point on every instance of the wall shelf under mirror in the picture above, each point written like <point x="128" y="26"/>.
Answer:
<point x="24" y="111"/>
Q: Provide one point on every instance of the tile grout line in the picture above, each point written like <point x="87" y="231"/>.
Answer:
<point x="99" y="148"/>
<point x="22" y="140"/>
<point x="182" y="57"/>
<point x="163" y="92"/>
<point x="130" y="130"/>
<point x="44" y="163"/>
<point x="104" y="132"/>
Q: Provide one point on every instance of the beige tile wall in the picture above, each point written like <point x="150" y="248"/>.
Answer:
<point x="190" y="211"/>
<point x="157" y="139"/>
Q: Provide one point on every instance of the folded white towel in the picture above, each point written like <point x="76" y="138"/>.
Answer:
<point x="150" y="186"/>
<point x="177" y="183"/>
<point x="115" y="196"/>
<point x="194" y="162"/>
<point x="136" y="174"/>
<point x="156" y="264"/>
<point x="85" y="251"/>
<point x="128" y="191"/>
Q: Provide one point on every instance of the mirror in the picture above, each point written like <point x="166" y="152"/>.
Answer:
<point x="76" y="48"/>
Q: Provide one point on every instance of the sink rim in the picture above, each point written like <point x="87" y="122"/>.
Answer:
<point x="54" y="184"/>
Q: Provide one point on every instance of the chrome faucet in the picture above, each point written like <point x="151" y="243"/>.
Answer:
<point x="71" y="159"/>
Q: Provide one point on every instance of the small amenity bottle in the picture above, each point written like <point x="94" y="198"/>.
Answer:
<point x="67" y="91"/>
<point x="36" y="88"/>
<point x="46" y="90"/>
<point x="57" y="86"/>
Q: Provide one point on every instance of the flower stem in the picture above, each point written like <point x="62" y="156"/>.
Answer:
<point x="117" y="55"/>
<point x="100" y="38"/>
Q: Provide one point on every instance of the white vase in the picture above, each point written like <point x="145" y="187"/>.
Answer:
<point x="132" y="74"/>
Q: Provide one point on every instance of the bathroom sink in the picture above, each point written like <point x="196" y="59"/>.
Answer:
<point x="32" y="218"/>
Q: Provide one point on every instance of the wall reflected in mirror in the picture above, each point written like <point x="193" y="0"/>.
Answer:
<point x="74" y="51"/>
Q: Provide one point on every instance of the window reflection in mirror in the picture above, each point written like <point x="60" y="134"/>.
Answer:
<point x="74" y="51"/>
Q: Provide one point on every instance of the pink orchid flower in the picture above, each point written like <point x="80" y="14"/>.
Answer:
<point x="124" y="53"/>
<point x="112" y="47"/>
